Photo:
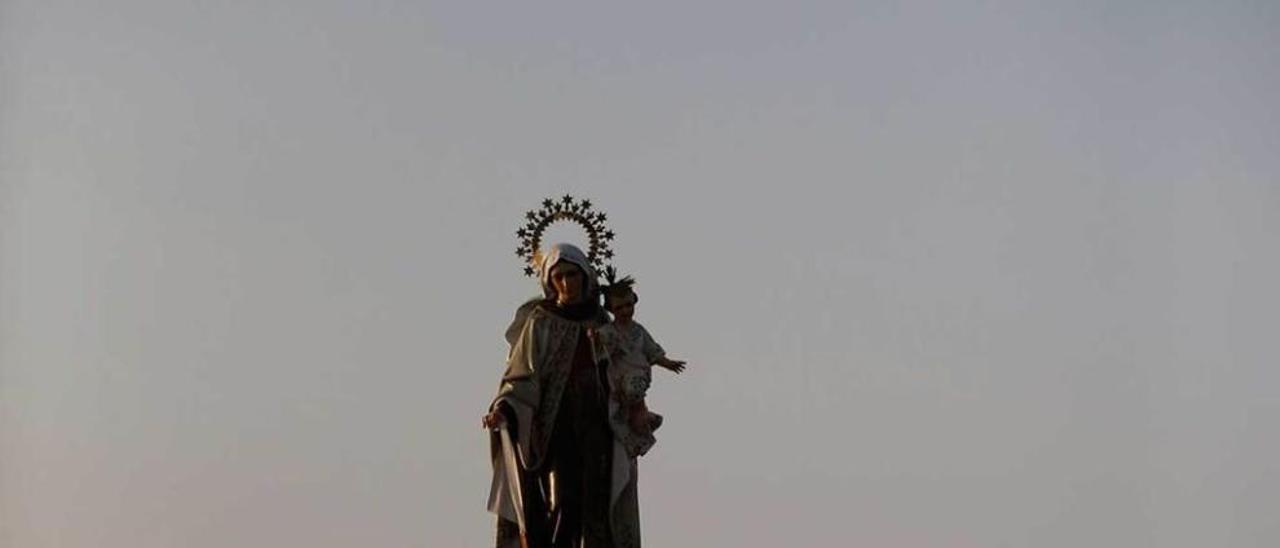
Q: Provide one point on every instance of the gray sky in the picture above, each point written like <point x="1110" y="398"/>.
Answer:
<point x="969" y="274"/>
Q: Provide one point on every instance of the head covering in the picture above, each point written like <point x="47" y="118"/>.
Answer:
<point x="570" y="254"/>
<point x="589" y="308"/>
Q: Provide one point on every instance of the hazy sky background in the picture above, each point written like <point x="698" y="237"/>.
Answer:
<point x="962" y="274"/>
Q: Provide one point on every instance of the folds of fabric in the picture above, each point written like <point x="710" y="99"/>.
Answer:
<point x="556" y="390"/>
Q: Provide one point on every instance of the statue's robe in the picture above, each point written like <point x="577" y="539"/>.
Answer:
<point x="541" y="378"/>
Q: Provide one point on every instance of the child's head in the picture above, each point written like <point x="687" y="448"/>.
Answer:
<point x="621" y="301"/>
<point x="619" y="295"/>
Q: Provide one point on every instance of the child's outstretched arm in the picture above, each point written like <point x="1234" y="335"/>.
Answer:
<point x="656" y="355"/>
<point x="675" y="365"/>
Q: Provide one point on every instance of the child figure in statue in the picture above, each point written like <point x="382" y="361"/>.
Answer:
<point x="632" y="353"/>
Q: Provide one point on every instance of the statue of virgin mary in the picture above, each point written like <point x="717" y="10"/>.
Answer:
<point x="577" y="486"/>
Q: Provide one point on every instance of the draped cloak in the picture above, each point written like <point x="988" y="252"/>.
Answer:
<point x="539" y="365"/>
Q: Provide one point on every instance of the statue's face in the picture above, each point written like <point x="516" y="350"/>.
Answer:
<point x="568" y="281"/>
<point x="624" y="307"/>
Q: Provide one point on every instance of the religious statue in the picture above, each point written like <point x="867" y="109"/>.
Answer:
<point x="563" y="473"/>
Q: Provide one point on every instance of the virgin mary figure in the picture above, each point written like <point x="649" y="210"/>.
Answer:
<point x="577" y="485"/>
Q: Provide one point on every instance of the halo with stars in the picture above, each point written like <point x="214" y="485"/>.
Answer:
<point x="564" y="209"/>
